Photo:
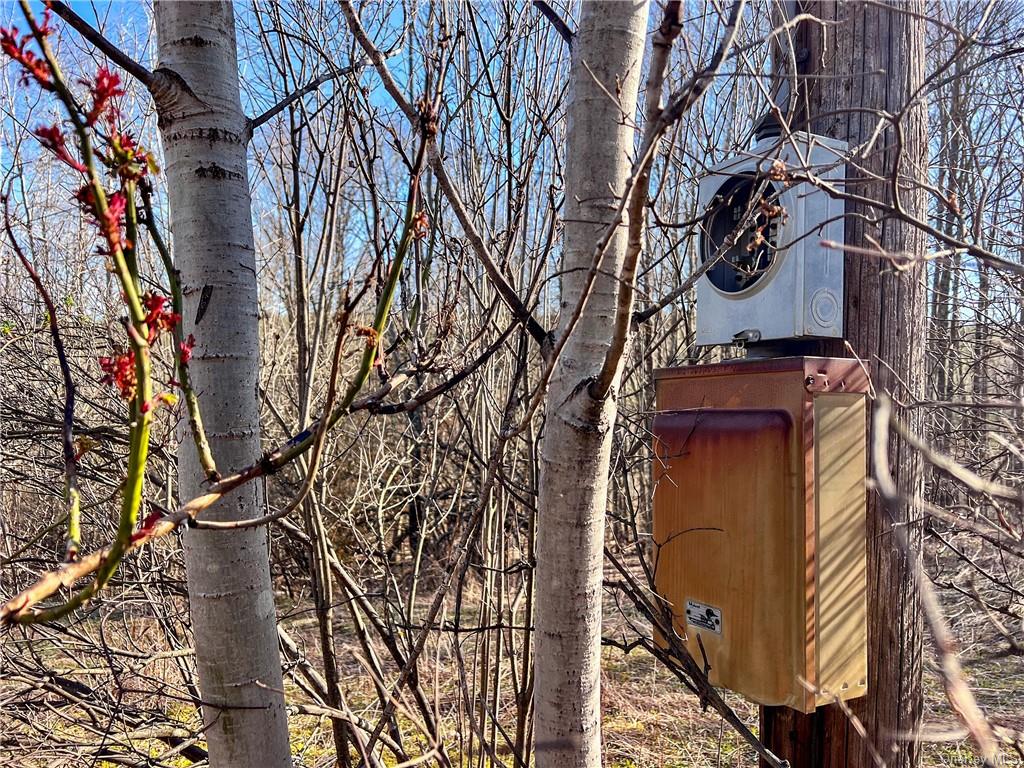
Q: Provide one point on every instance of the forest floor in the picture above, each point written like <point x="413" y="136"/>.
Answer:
<point x="650" y="720"/>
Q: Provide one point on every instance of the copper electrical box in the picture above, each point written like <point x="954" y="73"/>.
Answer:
<point x="759" y="523"/>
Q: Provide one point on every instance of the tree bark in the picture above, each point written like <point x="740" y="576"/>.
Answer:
<point x="885" y="325"/>
<point x="576" y="445"/>
<point x="203" y="131"/>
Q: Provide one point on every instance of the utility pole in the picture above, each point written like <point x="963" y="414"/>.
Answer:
<point x="861" y="64"/>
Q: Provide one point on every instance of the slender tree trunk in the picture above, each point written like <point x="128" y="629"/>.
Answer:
<point x="203" y="131"/>
<point x="576" y="446"/>
<point x="885" y="324"/>
<point x="945" y="353"/>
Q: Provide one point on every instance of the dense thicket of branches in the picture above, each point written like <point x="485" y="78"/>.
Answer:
<point x="426" y="490"/>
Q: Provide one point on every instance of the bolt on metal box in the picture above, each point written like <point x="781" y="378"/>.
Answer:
<point x="759" y="523"/>
<point x="763" y="227"/>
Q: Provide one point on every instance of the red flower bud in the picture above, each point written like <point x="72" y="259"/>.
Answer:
<point x="104" y="89"/>
<point x="157" y="319"/>
<point x="86" y="198"/>
<point x="113" y="220"/>
<point x="420" y="225"/>
<point x="33" y="66"/>
<point x="146" y="527"/>
<point x="120" y="372"/>
<point x="51" y="137"/>
<point x="186" y="347"/>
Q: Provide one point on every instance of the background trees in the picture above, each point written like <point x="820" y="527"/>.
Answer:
<point x="412" y="555"/>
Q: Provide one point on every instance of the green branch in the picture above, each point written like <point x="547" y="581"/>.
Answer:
<point x="141" y="410"/>
<point x="184" y="378"/>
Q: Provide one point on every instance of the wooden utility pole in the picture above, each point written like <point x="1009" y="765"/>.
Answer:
<point x="855" y="70"/>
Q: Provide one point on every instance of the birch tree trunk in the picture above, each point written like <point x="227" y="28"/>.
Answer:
<point x="576" y="446"/>
<point x="203" y="131"/>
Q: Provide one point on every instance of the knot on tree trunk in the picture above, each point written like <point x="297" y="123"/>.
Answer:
<point x="172" y="95"/>
<point x="584" y="413"/>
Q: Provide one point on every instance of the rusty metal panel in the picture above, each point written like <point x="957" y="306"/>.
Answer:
<point x="727" y="547"/>
<point x="846" y="374"/>
<point x="840" y="455"/>
<point x="795" y="515"/>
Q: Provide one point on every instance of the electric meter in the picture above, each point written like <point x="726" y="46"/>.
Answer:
<point x="770" y="276"/>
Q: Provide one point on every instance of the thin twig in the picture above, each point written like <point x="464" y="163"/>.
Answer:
<point x="19" y="609"/>
<point x="960" y="697"/>
<point x="677" y="657"/>
<point x="308" y="88"/>
<point x="315" y="454"/>
<point x="508" y="294"/>
<point x="195" y="416"/>
<point x="72" y="496"/>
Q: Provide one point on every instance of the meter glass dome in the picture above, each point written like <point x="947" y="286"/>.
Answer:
<point x="744" y="212"/>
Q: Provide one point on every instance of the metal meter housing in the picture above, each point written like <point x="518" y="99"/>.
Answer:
<point x="759" y="523"/>
<point x="763" y="228"/>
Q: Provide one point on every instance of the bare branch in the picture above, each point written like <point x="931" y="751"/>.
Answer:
<point x="71" y="493"/>
<point x="308" y="88"/>
<point x="961" y="699"/>
<point x="557" y="21"/>
<point x="658" y="124"/>
<point x="107" y="48"/>
<point x="508" y="294"/>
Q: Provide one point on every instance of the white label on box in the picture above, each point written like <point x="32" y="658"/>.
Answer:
<point x="704" y="616"/>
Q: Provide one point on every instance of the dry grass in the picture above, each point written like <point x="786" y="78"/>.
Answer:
<point x="650" y="721"/>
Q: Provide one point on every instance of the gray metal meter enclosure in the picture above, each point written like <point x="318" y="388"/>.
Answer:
<point x="771" y="277"/>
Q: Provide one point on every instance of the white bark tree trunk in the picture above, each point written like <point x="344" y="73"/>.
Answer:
<point x="576" y="446"/>
<point x="203" y="131"/>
